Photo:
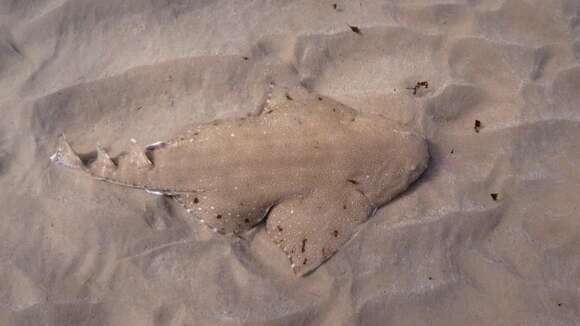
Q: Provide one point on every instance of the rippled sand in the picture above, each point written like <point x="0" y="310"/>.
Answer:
<point x="78" y="252"/>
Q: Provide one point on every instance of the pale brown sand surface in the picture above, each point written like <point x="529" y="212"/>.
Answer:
<point x="74" y="251"/>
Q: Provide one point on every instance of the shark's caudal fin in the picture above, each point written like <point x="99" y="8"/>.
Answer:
<point x="66" y="156"/>
<point x="101" y="167"/>
<point x="125" y="170"/>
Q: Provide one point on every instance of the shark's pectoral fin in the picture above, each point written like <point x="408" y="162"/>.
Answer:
<point x="311" y="229"/>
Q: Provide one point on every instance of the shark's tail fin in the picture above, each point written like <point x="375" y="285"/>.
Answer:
<point x="66" y="156"/>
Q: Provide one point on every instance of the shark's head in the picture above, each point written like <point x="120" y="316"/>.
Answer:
<point x="402" y="166"/>
<point x="417" y="156"/>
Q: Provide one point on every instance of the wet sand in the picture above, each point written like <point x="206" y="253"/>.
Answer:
<point x="76" y="251"/>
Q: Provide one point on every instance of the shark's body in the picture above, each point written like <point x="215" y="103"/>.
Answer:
<point x="317" y="166"/>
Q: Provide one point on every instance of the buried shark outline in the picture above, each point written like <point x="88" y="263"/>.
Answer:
<point x="314" y="168"/>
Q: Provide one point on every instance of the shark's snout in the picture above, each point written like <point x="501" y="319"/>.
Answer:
<point x="418" y="155"/>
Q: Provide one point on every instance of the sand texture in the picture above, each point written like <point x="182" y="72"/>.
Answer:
<point x="76" y="251"/>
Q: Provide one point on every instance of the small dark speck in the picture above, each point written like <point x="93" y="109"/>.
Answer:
<point x="418" y="85"/>
<point x="247" y="220"/>
<point x="320" y="98"/>
<point x="195" y="200"/>
<point x="452" y="151"/>
<point x="477" y="125"/>
<point x="354" y="182"/>
<point x="494" y="196"/>
<point x="335" y="6"/>
<point x="139" y="108"/>
<point x="430" y="278"/>
<point x="355" y="29"/>
<point x="343" y="206"/>
<point x="280" y="229"/>
<point x="559" y="304"/>
<point x="218" y="216"/>
<point x="245" y="58"/>
<point x="289" y="97"/>
<point x="303" y="245"/>
<point x="335" y="233"/>
<point x="305" y="261"/>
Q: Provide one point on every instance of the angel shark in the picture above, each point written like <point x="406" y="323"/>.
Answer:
<point x="314" y="168"/>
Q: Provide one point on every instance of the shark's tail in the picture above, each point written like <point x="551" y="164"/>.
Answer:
<point x="66" y="156"/>
<point x="103" y="167"/>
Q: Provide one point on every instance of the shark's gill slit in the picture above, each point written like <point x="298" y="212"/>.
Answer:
<point x="266" y="213"/>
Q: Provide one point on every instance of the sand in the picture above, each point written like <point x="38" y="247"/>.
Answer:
<point x="75" y="251"/>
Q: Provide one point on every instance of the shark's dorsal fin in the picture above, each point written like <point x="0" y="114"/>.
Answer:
<point x="103" y="157"/>
<point x="137" y="156"/>
<point x="103" y="166"/>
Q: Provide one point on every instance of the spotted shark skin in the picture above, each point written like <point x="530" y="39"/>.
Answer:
<point x="315" y="168"/>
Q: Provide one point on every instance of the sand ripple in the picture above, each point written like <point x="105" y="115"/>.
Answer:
<point x="76" y="252"/>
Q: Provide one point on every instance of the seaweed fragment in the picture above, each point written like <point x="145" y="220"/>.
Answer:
<point x="477" y="125"/>
<point x="355" y="29"/>
<point x="418" y="85"/>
